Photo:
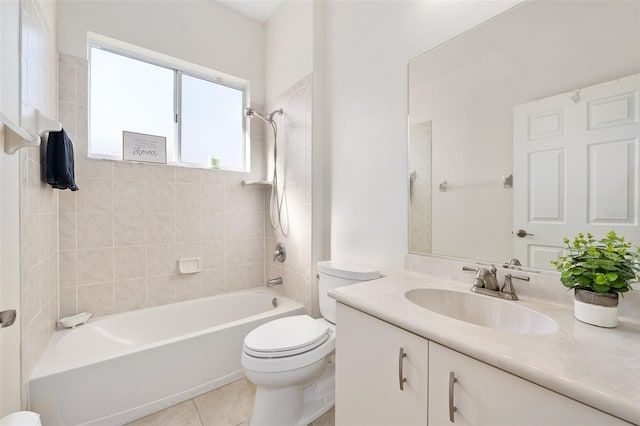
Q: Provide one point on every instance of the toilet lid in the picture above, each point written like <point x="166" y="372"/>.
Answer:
<point x="286" y="337"/>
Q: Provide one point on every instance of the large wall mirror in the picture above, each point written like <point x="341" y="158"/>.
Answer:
<point x="524" y="130"/>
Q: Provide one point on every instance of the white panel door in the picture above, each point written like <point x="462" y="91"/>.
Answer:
<point x="575" y="159"/>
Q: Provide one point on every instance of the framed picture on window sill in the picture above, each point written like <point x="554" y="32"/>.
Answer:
<point x="144" y="148"/>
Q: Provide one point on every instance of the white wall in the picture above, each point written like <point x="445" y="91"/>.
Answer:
<point x="368" y="45"/>
<point x="288" y="46"/>
<point x="201" y="32"/>
<point x="9" y="60"/>
<point x="289" y="63"/>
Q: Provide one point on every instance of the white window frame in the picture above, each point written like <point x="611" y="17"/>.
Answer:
<point x="179" y="67"/>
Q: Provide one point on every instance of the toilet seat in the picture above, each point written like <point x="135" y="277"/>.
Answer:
<point x="286" y="337"/>
<point x="307" y="354"/>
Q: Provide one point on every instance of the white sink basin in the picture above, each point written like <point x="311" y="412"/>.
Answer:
<point x="482" y="310"/>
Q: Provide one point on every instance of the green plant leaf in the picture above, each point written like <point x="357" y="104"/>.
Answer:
<point x="611" y="276"/>
<point x="600" y="288"/>
<point x="601" y="279"/>
<point x="576" y="271"/>
<point x="584" y="281"/>
<point x="612" y="256"/>
<point x="618" y="284"/>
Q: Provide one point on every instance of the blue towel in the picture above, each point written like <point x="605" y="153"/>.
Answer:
<point x="59" y="161"/>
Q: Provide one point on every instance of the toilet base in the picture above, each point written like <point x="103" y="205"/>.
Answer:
<point x="320" y="396"/>
<point x="295" y="405"/>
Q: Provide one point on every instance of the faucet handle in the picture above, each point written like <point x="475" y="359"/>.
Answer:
<point x="516" y="277"/>
<point x="507" y="287"/>
<point x="479" y="281"/>
<point x="280" y="253"/>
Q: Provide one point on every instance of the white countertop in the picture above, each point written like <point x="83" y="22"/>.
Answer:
<point x="597" y="366"/>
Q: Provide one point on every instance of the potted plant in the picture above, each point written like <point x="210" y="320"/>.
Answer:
<point x="598" y="271"/>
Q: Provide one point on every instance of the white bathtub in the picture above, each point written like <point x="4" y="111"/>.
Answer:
<point x="119" y="368"/>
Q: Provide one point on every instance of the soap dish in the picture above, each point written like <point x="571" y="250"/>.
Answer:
<point x="75" y="320"/>
<point x="189" y="265"/>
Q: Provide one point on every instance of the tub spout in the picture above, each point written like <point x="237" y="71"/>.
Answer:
<point x="274" y="281"/>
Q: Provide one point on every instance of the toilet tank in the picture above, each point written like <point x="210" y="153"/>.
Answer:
<point x="334" y="274"/>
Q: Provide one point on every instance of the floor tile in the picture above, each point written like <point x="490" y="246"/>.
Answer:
<point x="183" y="414"/>
<point x="229" y="405"/>
<point x="327" y="419"/>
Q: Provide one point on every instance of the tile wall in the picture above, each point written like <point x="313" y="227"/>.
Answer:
<point x="38" y="202"/>
<point x="420" y="188"/>
<point x="122" y="233"/>
<point x="294" y="146"/>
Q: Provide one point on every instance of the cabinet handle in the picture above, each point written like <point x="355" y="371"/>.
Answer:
<point x="401" y="380"/>
<point x="452" y="408"/>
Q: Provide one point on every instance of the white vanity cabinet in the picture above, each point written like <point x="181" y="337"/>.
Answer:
<point x="368" y="391"/>
<point x="485" y="395"/>
<point x="369" y="368"/>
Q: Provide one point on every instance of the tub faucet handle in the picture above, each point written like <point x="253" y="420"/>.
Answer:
<point x="280" y="253"/>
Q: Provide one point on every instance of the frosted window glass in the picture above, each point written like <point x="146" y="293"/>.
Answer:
<point x="131" y="95"/>
<point x="211" y="123"/>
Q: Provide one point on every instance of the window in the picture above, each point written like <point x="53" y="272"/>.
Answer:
<point x="200" y="115"/>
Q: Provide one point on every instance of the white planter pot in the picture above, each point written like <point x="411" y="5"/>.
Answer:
<point x="596" y="309"/>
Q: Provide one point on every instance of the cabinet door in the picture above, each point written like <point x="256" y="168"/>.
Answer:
<point x="368" y="368"/>
<point x="485" y="395"/>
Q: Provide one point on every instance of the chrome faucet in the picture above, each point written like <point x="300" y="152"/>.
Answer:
<point x="512" y="262"/>
<point x="487" y="279"/>
<point x="274" y="281"/>
<point x="280" y="253"/>
<point x="486" y="283"/>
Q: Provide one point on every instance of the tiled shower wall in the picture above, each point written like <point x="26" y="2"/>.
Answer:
<point x="123" y="232"/>
<point x="294" y="147"/>
<point x="38" y="202"/>
<point x="420" y="187"/>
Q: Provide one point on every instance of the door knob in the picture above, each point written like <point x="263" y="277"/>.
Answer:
<point x="521" y="233"/>
<point x="7" y="318"/>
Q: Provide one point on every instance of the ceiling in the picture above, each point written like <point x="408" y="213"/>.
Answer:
<point x="258" y="10"/>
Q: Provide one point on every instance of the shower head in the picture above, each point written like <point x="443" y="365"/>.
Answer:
<point x="250" y="113"/>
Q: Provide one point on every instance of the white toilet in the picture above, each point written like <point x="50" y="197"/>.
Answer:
<point x="288" y="359"/>
<point x="21" y="418"/>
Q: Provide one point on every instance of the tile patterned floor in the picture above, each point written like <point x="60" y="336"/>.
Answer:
<point x="229" y="405"/>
